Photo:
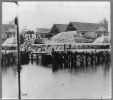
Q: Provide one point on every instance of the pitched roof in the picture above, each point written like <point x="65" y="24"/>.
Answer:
<point x="5" y="27"/>
<point x="42" y="30"/>
<point x="61" y="27"/>
<point x="81" y="26"/>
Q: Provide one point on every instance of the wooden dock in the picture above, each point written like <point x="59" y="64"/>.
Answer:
<point x="67" y="54"/>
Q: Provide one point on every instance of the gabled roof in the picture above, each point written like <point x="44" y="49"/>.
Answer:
<point x="59" y="27"/>
<point x="82" y="26"/>
<point x="42" y="30"/>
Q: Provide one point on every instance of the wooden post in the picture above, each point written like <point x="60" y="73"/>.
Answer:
<point x="75" y="59"/>
<point x="31" y="57"/>
<point x="91" y="57"/>
<point x="95" y="54"/>
<point x="82" y="60"/>
<point x="53" y="60"/>
<point x="64" y="60"/>
<point x="37" y="58"/>
<point x="42" y="59"/>
<point x="67" y="58"/>
<point x="72" y="59"/>
<point x="86" y="58"/>
<point x="64" y="47"/>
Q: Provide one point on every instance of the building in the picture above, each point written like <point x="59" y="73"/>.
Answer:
<point x="31" y="36"/>
<point x="9" y="30"/>
<point x="42" y="31"/>
<point x="28" y="35"/>
<point x="83" y="28"/>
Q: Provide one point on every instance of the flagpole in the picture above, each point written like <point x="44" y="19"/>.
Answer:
<point x="18" y="46"/>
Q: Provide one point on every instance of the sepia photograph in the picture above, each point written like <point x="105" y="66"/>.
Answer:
<point x="56" y="50"/>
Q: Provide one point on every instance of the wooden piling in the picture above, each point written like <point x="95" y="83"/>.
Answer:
<point x="31" y="56"/>
<point x="86" y="60"/>
<point x="75" y="58"/>
<point x="52" y="56"/>
<point x="42" y="59"/>
<point x="64" y="47"/>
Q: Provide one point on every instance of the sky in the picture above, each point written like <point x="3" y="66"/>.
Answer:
<point x="44" y="14"/>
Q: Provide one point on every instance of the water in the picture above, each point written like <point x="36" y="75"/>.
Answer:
<point x="92" y="82"/>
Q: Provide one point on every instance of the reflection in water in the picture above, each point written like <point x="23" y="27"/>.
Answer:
<point x="39" y="81"/>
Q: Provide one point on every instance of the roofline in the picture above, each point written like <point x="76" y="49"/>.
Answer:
<point x="60" y="24"/>
<point x="43" y="28"/>
<point x="85" y="22"/>
<point x="53" y="26"/>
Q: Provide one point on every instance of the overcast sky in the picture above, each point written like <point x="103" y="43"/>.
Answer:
<point x="44" y="14"/>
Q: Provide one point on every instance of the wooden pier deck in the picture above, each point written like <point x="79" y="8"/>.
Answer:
<point x="55" y="53"/>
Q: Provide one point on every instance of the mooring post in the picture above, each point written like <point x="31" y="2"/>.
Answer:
<point x="72" y="59"/>
<point x="68" y="59"/>
<point x="64" y="47"/>
<point x="91" y="57"/>
<point x="53" y="57"/>
<point x="42" y="59"/>
<point x="86" y="60"/>
<point x="82" y="59"/>
<point x="107" y="55"/>
<point x="95" y="54"/>
<point x="6" y="58"/>
<point x="31" y="56"/>
<point x="65" y="59"/>
<point x="75" y="59"/>
<point x="36" y="58"/>
<point x="98" y="57"/>
<point x="62" y="59"/>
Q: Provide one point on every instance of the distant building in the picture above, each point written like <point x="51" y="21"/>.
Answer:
<point x="28" y="34"/>
<point x="31" y="36"/>
<point x="42" y="31"/>
<point x="9" y="30"/>
<point x="83" y="28"/>
<point x="102" y="32"/>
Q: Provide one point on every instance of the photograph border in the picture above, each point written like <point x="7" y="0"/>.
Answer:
<point x="111" y="19"/>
